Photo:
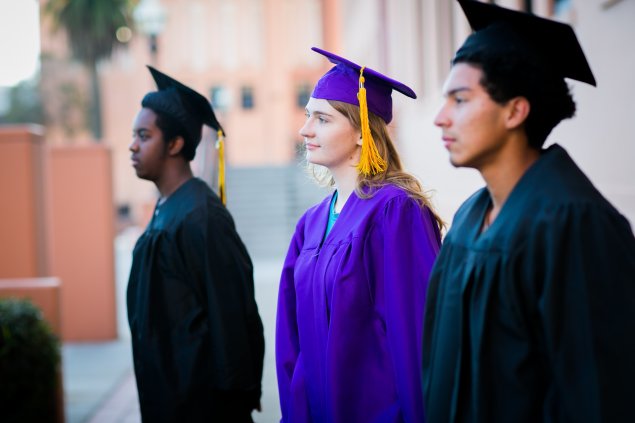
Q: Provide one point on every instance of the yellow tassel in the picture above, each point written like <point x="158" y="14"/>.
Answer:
<point x="220" y="146"/>
<point x="370" y="162"/>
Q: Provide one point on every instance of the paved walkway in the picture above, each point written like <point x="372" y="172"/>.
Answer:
<point x="99" y="383"/>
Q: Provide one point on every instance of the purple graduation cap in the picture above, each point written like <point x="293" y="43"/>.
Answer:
<point x="341" y="83"/>
<point x="367" y="89"/>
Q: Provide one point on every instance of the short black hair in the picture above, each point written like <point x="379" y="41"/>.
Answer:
<point x="171" y="129"/>
<point x="509" y="76"/>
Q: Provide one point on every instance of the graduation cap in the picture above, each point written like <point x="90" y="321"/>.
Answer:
<point x="500" y="31"/>
<point x="366" y="88"/>
<point x="191" y="110"/>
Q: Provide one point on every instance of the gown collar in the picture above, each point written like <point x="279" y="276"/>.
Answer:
<point x="519" y="192"/>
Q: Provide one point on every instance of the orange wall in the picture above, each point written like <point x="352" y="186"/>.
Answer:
<point x="21" y="211"/>
<point x="42" y="292"/>
<point x="81" y="237"/>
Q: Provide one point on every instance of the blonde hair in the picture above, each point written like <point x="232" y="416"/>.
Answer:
<point x="367" y="185"/>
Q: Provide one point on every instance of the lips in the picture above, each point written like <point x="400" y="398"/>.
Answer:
<point x="447" y="141"/>
<point x="309" y="146"/>
<point x="135" y="161"/>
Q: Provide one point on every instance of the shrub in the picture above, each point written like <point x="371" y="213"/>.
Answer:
<point x="29" y="360"/>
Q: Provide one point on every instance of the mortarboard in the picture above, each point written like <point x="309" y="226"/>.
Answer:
<point x="550" y="44"/>
<point x="191" y="110"/>
<point x="366" y="88"/>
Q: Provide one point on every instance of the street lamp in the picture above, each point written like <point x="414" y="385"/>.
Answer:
<point x="150" y="18"/>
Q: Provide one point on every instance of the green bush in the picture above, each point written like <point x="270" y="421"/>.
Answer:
<point x="29" y="360"/>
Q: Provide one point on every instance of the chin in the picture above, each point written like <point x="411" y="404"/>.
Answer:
<point x="312" y="161"/>
<point x="456" y="162"/>
<point x="142" y="175"/>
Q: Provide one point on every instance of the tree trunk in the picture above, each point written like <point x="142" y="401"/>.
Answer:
<point x="95" y="103"/>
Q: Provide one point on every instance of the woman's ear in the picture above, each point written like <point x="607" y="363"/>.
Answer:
<point x="517" y="111"/>
<point x="358" y="134"/>
<point x="175" y="146"/>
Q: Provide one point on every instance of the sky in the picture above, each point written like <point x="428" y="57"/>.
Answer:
<point x="19" y="40"/>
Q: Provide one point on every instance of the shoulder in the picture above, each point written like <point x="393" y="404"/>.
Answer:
<point x="554" y="193"/>
<point x="466" y="217"/>
<point x="316" y="209"/>
<point x="387" y="195"/>
<point x="556" y="180"/>
<point x="585" y="214"/>
<point x="192" y="197"/>
<point x="202" y="210"/>
<point x="390" y="192"/>
<point x="467" y="207"/>
<point x="394" y="202"/>
<point x="202" y="195"/>
<point x="398" y="217"/>
<point x="311" y="214"/>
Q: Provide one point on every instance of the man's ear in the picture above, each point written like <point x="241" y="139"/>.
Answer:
<point x="175" y="146"/>
<point x="517" y="111"/>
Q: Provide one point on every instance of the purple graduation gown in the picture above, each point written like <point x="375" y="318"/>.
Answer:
<point x="350" y="311"/>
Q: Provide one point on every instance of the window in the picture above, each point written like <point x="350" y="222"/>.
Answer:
<point x="220" y="98"/>
<point x="529" y="6"/>
<point x="303" y="94"/>
<point x="561" y="7"/>
<point x="247" y="97"/>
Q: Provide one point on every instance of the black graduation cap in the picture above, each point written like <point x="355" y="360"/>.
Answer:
<point x="503" y="31"/>
<point x="188" y="107"/>
<point x="191" y="110"/>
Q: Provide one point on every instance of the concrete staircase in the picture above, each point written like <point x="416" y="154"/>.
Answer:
<point x="266" y="203"/>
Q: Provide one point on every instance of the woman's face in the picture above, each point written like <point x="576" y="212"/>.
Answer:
<point x="329" y="137"/>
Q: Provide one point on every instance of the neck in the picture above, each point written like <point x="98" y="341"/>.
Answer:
<point x="345" y="183"/>
<point x="502" y="174"/>
<point x="172" y="178"/>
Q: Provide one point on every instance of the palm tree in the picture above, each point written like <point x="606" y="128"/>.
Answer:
<point x="91" y="26"/>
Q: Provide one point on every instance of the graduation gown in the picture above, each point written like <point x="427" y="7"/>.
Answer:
<point x="350" y="311"/>
<point x="533" y="320"/>
<point x="197" y="336"/>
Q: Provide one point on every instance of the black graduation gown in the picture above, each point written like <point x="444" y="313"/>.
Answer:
<point x="197" y="336"/>
<point x="534" y="319"/>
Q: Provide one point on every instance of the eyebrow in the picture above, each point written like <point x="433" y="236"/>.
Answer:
<point x="457" y="90"/>
<point x="317" y="112"/>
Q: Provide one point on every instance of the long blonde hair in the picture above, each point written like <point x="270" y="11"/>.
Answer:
<point x="367" y="185"/>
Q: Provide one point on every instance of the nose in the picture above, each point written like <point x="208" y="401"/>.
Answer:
<point x="133" y="146"/>
<point x="307" y="129"/>
<point x="442" y="118"/>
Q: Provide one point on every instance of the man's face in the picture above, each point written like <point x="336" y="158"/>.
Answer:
<point x="473" y="124"/>
<point x="149" y="151"/>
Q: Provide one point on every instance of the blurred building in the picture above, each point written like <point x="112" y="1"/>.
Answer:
<point x="252" y="58"/>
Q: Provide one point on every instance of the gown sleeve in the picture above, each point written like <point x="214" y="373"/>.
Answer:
<point x="217" y="262"/>
<point x="287" y="340"/>
<point x="586" y="297"/>
<point x="402" y="251"/>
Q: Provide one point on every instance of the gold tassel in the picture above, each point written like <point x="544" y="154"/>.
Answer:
<point x="371" y="162"/>
<point x="220" y="146"/>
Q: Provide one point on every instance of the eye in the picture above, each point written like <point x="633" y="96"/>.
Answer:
<point x="459" y="98"/>
<point x="322" y="119"/>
